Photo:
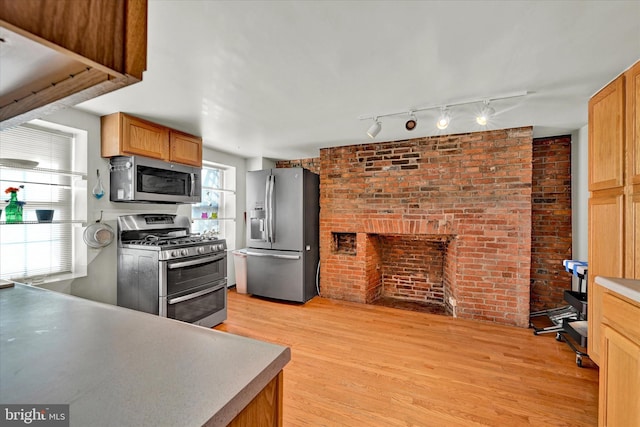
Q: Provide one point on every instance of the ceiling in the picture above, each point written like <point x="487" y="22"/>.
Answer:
<point x="282" y="79"/>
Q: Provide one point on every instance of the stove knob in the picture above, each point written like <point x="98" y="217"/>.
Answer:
<point x="184" y="252"/>
<point x="174" y="253"/>
<point x="202" y="250"/>
<point x="213" y="248"/>
<point x="221" y="247"/>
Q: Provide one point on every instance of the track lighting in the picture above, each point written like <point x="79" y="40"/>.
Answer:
<point x="485" y="114"/>
<point x="374" y="129"/>
<point x="444" y="119"/>
<point x="412" y="122"/>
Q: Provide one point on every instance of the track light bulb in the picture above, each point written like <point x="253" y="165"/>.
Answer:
<point x="443" y="120"/>
<point x="485" y="114"/>
<point x="374" y="129"/>
<point x="411" y="123"/>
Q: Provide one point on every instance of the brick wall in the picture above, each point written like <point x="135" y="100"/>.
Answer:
<point x="551" y="221"/>
<point x="312" y="164"/>
<point x="550" y="232"/>
<point x="473" y="190"/>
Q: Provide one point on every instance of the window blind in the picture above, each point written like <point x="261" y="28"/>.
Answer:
<point x="32" y="249"/>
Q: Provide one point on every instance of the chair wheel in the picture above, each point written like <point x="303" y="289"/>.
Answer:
<point x="579" y="361"/>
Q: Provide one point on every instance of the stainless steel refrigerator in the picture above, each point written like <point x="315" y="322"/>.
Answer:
<point x="283" y="253"/>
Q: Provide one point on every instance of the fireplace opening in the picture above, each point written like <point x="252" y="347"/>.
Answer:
<point x="413" y="273"/>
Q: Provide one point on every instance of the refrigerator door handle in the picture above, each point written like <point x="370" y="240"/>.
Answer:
<point x="260" y="254"/>
<point x="265" y="224"/>
<point x="270" y="212"/>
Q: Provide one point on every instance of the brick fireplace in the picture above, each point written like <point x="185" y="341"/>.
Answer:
<point x="431" y="219"/>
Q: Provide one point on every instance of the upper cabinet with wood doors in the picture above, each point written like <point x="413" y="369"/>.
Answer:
<point x="86" y="48"/>
<point x="606" y="137"/>
<point x="126" y="135"/>
<point x="185" y="148"/>
<point x="614" y="185"/>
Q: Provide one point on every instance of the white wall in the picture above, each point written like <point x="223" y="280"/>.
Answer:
<point x="579" y="195"/>
<point x="260" y="163"/>
<point x="100" y="283"/>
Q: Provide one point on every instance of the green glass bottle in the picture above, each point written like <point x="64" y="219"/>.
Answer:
<point x="13" y="211"/>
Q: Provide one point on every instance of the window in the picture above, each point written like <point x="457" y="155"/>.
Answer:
<point x="216" y="212"/>
<point x="30" y="249"/>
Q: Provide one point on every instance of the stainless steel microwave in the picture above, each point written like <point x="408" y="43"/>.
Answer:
<point x="141" y="179"/>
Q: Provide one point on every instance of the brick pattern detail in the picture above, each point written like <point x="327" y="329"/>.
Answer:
<point x="551" y="221"/>
<point x="474" y="190"/>
<point x="312" y="164"/>
<point x="413" y="269"/>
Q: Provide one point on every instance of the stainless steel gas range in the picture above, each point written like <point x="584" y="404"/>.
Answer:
<point x="164" y="270"/>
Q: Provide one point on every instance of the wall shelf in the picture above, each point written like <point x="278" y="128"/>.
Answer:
<point x="70" y="221"/>
<point x="9" y="166"/>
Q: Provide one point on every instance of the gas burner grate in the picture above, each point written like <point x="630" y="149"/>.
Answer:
<point x="154" y="240"/>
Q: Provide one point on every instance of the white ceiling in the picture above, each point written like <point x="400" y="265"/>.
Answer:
<point x="282" y="79"/>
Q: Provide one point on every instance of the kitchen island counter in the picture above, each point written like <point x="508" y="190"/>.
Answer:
<point x="121" y="367"/>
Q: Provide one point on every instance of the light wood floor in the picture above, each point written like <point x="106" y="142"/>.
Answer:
<point x="364" y="365"/>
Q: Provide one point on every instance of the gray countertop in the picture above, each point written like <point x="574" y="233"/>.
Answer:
<point x="629" y="288"/>
<point x="119" y="367"/>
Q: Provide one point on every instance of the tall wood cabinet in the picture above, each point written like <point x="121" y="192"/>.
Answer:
<point x="124" y="135"/>
<point x="614" y="226"/>
<point x="606" y="204"/>
<point x="632" y="261"/>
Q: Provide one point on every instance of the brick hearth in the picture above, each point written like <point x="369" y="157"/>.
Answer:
<point x="469" y="195"/>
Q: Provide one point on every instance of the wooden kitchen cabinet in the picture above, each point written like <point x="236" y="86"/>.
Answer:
<point x="606" y="201"/>
<point x="632" y="262"/>
<point x="185" y="148"/>
<point x="605" y="257"/>
<point x="620" y="363"/>
<point x="632" y="79"/>
<point x="265" y="409"/>
<point x="614" y="185"/>
<point x="98" y="46"/>
<point x="126" y="135"/>
<point x="606" y="137"/>
<point x="632" y="194"/>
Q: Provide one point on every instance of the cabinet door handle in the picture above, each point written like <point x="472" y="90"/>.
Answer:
<point x="196" y="294"/>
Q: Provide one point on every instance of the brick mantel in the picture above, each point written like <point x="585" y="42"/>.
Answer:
<point x="411" y="226"/>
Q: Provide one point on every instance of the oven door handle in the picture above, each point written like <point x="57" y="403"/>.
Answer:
<point x="273" y="256"/>
<point x="196" y="295"/>
<point x="172" y="266"/>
